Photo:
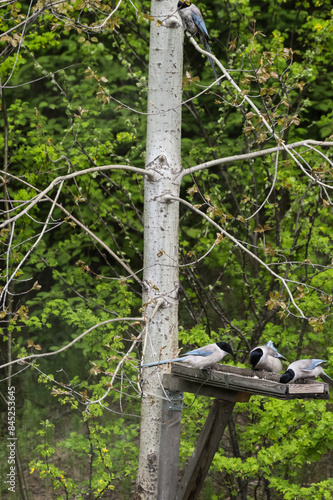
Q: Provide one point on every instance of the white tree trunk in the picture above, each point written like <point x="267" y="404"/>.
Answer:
<point x="160" y="232"/>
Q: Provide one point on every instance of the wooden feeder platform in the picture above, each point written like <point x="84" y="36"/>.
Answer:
<point x="223" y="381"/>
<point x="227" y="385"/>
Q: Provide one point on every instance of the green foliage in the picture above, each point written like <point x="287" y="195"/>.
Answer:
<point x="96" y="449"/>
<point x="77" y="113"/>
<point x="282" y="443"/>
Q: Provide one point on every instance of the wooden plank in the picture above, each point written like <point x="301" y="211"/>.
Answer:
<point x="316" y="387"/>
<point x="205" y="448"/>
<point x="178" y="384"/>
<point x="230" y="381"/>
<point x="230" y="378"/>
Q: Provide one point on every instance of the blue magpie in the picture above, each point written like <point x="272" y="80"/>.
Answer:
<point x="266" y="357"/>
<point x="304" y="368"/>
<point x="200" y="358"/>
<point x="194" y="24"/>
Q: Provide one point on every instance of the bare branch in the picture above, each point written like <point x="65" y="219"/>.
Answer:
<point x="63" y="178"/>
<point x="43" y="355"/>
<point x="168" y="198"/>
<point x="120" y="364"/>
<point x="255" y="154"/>
<point x="87" y="230"/>
<point x="9" y="279"/>
<point x="271" y="189"/>
<point x="279" y="140"/>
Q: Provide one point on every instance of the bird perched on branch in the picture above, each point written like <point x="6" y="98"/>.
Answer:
<point x="200" y="358"/>
<point x="194" y="24"/>
<point x="304" y="368"/>
<point x="266" y="357"/>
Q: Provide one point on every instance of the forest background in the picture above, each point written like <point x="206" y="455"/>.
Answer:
<point x="74" y="97"/>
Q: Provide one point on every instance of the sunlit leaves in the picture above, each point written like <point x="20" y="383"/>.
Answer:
<point x="191" y="191"/>
<point x="188" y="79"/>
<point x="275" y="300"/>
<point x="31" y="343"/>
<point x="214" y="212"/>
<point x="317" y="323"/>
<point x="269" y="249"/>
<point x="262" y="229"/>
<point x="219" y="238"/>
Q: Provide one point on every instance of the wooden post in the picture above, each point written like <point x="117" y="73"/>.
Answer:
<point x="206" y="446"/>
<point x="170" y="439"/>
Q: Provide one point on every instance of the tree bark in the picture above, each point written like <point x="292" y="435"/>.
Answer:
<point x="161" y="220"/>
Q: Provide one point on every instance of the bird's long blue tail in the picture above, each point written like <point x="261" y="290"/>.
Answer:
<point x="211" y="62"/>
<point x="327" y="379"/>
<point x="162" y="362"/>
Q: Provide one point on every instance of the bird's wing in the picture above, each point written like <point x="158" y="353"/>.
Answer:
<point x="202" y="351"/>
<point x="313" y="363"/>
<point x="199" y="22"/>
